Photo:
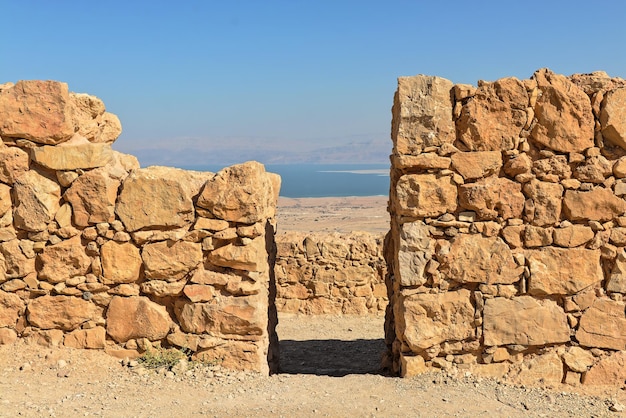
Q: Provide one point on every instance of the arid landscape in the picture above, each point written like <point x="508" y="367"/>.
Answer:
<point x="330" y="366"/>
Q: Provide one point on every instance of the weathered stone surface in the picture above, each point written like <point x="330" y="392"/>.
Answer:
<point x="477" y="259"/>
<point x="225" y="317"/>
<point x="617" y="279"/>
<point x="61" y="261"/>
<point x="121" y="262"/>
<point x="236" y="355"/>
<point x="414" y="252"/>
<point x="599" y="204"/>
<point x="536" y="236"/>
<point x="5" y="199"/>
<point x="546" y="368"/>
<point x="241" y="193"/>
<point x="603" y="325"/>
<point x="565" y="120"/>
<point x="474" y="165"/>
<point x="92" y="121"/>
<point x="251" y="257"/>
<point x="7" y="336"/>
<point x="137" y="317"/>
<point x="37" y="201"/>
<point x="158" y="197"/>
<point x="170" y="261"/>
<point x="520" y="164"/>
<point x="608" y="371"/>
<point x="72" y="157"/>
<point x="425" y="160"/>
<point x="558" y="271"/>
<point x="422" y="114"/>
<point x="211" y="224"/>
<point x="525" y="321"/>
<point x="15" y="263"/>
<point x="199" y="292"/>
<point x="86" y="338"/>
<point x="11" y="308"/>
<point x="493" y="118"/>
<point x="40" y="111"/>
<point x="61" y="312"/>
<point x="577" y="359"/>
<point x="595" y="81"/>
<point x="572" y="236"/>
<point x="493" y="197"/>
<point x="161" y="288"/>
<point x="93" y="197"/>
<point x="425" y="320"/>
<point x="553" y="169"/>
<point x="411" y="366"/>
<point x="13" y="163"/>
<point x="423" y="195"/>
<point x="546" y="202"/>
<point x="594" y="170"/>
<point x="613" y="117"/>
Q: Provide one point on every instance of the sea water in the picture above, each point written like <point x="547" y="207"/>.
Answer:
<point x="326" y="180"/>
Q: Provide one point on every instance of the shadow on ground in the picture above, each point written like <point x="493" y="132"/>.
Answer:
<point x="331" y="357"/>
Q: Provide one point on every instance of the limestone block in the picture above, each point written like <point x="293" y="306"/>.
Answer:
<point x="493" y="197"/>
<point x="413" y="254"/>
<point x="40" y="111"/>
<point x="411" y="366"/>
<point x="199" y="292"/>
<point x="61" y="312"/>
<point x="520" y="164"/>
<point x="477" y="259"/>
<point x="92" y="196"/>
<point x="546" y="368"/>
<point x="37" y="201"/>
<point x="565" y="120"/>
<point x="608" y="371"/>
<point x="599" y="204"/>
<point x="5" y="199"/>
<point x="11" y="308"/>
<point x="13" y="163"/>
<point x="475" y="165"/>
<point x="93" y="338"/>
<point x="72" y="157"/>
<point x="421" y="114"/>
<point x="137" y="317"/>
<point x="594" y="170"/>
<point x="162" y="288"/>
<point x="158" y="198"/>
<point x="577" y="359"/>
<point x="427" y="160"/>
<point x="210" y="224"/>
<point x="613" y="117"/>
<point x="7" y="336"/>
<point x="121" y="262"/>
<point x="241" y="193"/>
<point x="236" y="355"/>
<point x="170" y="260"/>
<point x="552" y="169"/>
<point x="251" y="257"/>
<point x="546" y="198"/>
<point x="426" y="320"/>
<point x="603" y="325"/>
<point x="425" y="195"/>
<point x="494" y="117"/>
<point x="572" y="236"/>
<point x="558" y="271"/>
<point x="524" y="320"/>
<point x="87" y="110"/>
<point x="15" y="263"/>
<point x="61" y="261"/>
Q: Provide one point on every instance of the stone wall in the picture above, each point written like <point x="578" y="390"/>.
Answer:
<point x="96" y="252"/>
<point x="508" y="228"/>
<point x="330" y="273"/>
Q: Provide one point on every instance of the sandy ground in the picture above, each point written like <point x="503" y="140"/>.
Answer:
<point x="329" y="367"/>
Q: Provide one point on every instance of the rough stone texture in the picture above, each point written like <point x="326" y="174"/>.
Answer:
<point x="137" y="317"/>
<point x="425" y="195"/>
<point x="558" y="271"/>
<point x="121" y="262"/>
<point x="525" y="321"/>
<point x="11" y="308"/>
<point x="13" y="163"/>
<point x="546" y="368"/>
<point x="564" y="118"/>
<point x="61" y="312"/>
<point x="37" y="201"/>
<point x="92" y="338"/>
<point x="494" y="117"/>
<point x="598" y="204"/>
<point x="64" y="260"/>
<point x="169" y="260"/>
<point x="475" y="165"/>
<point x="415" y="251"/>
<point x="572" y="236"/>
<point x="15" y="264"/>
<point x="608" y="371"/>
<point x="241" y="193"/>
<point x="477" y="259"/>
<point x="93" y="197"/>
<point x="577" y="359"/>
<point x="492" y="197"/>
<point x="422" y="114"/>
<point x="72" y="157"/>
<point x="544" y="207"/>
<point x="603" y="325"/>
<point x="613" y="117"/>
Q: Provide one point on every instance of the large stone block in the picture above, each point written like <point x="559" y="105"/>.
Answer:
<point x="137" y="317"/>
<point x="603" y="325"/>
<point x="121" y="262"/>
<point x="493" y="119"/>
<point x="241" y="193"/>
<point x="93" y="197"/>
<point x="86" y="338"/>
<point x="609" y="371"/>
<point x="72" y="157"/>
<point x="599" y="204"/>
<point x="11" y="308"/>
<point x="613" y="117"/>
<point x="565" y="120"/>
<point x="170" y="260"/>
<point x="546" y="202"/>
<point x="250" y="257"/>
<point x="477" y="259"/>
<point x="546" y="368"/>
<point x="425" y="195"/>
<point x="425" y="320"/>
<point x="493" y="197"/>
<point x="13" y="262"/>
<point x="415" y="249"/>
<point x="61" y="261"/>
<point x="422" y="114"/>
<point x="92" y="121"/>
<point x="524" y="320"/>
<point x="61" y="312"/>
<point x="475" y="165"/>
<point x="40" y="111"/>
<point x="37" y="200"/>
<point x="13" y="163"/>
<point x="560" y="271"/>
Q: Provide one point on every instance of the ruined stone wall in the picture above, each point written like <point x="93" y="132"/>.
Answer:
<point x="98" y="253"/>
<point x="508" y="228"/>
<point x="330" y="273"/>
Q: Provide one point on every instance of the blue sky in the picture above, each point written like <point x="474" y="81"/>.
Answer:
<point x="288" y="75"/>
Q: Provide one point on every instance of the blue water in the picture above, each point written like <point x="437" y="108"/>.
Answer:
<point x="326" y="180"/>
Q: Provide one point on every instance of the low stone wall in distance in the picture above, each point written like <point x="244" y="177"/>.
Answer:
<point x="508" y="228"/>
<point x="98" y="253"/>
<point x="330" y="273"/>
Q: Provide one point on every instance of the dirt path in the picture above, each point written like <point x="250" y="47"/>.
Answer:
<point x="329" y="368"/>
